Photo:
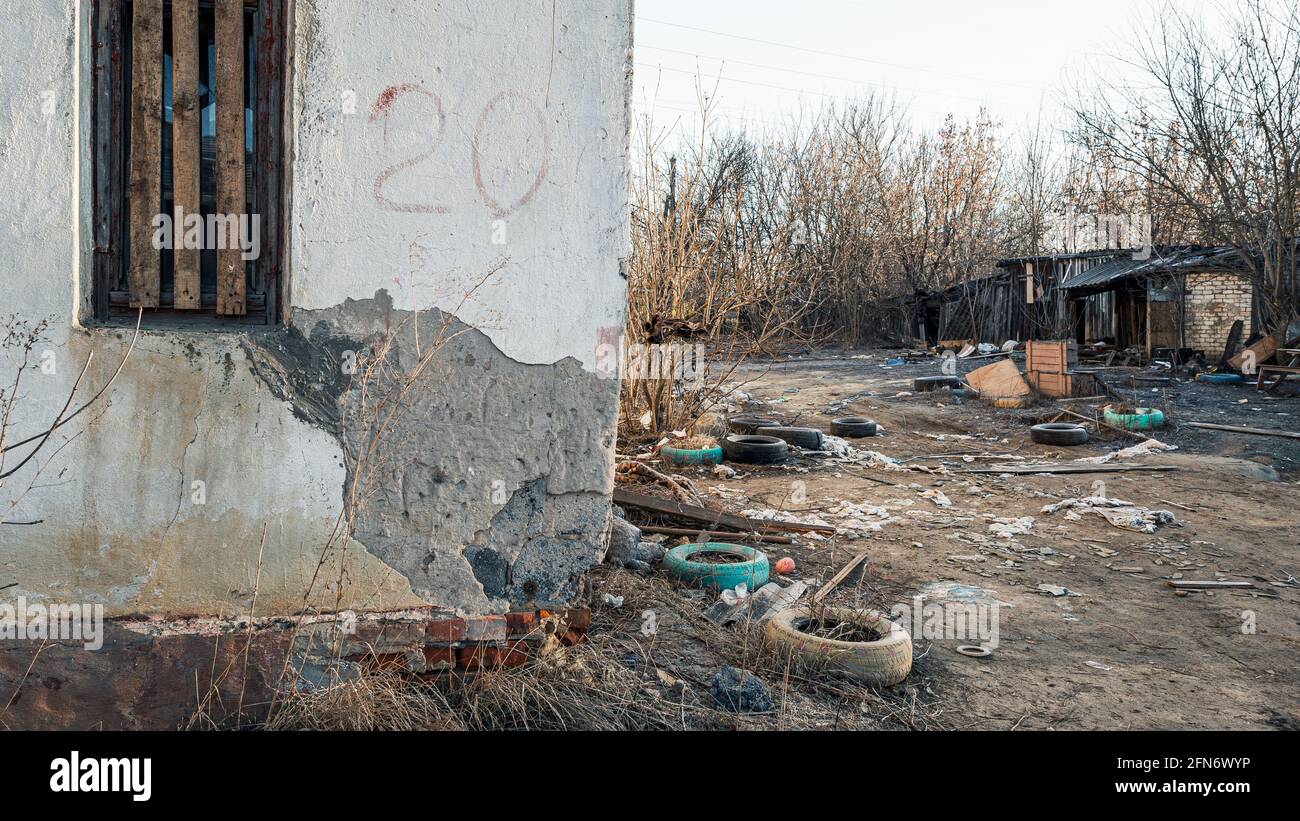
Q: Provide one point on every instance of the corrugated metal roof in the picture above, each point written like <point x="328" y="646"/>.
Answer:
<point x="1118" y="268"/>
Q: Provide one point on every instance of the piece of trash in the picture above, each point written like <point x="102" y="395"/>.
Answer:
<point x="740" y="691"/>
<point x="735" y="595"/>
<point x="785" y="565"/>
<point x="724" y="472"/>
<point x="1005" y="528"/>
<point x="975" y="651"/>
<point x="1056" y="590"/>
<point x="1098" y="666"/>
<point x="1116" y="511"/>
<point x="613" y="601"/>
<point x="937" y="496"/>
<point x="898" y="360"/>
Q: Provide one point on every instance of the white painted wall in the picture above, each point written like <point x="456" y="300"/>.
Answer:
<point x="386" y="194"/>
<point x="116" y="492"/>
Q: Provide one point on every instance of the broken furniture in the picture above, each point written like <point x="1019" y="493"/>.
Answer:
<point x="1270" y="376"/>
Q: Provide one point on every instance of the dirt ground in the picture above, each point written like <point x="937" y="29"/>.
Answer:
<point x="1120" y="650"/>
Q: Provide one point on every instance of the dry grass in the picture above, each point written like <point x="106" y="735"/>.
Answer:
<point x="622" y="679"/>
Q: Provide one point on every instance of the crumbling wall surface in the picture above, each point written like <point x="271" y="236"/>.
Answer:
<point x="459" y="162"/>
<point x="487" y="487"/>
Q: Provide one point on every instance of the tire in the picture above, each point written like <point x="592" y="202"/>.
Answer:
<point x="853" y="427"/>
<point x="750" y="424"/>
<point x="1219" y="378"/>
<point x="1144" y="419"/>
<point x="1059" y="433"/>
<point x="806" y="438"/>
<point x="752" y="572"/>
<point x="881" y="663"/>
<point x="754" y="450"/>
<point x="691" y="456"/>
<point x="933" y="383"/>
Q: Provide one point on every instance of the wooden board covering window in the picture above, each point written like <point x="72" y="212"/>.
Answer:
<point x="145" y="186"/>
<point x="229" y="27"/>
<point x="185" y="147"/>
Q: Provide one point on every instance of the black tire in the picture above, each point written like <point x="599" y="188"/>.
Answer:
<point x="750" y="424"/>
<point x="853" y="427"/>
<point x="1059" y="433"/>
<point x="806" y="438"/>
<point x="933" y="383"/>
<point x="754" y="450"/>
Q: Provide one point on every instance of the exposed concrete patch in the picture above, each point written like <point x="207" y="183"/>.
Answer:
<point x="490" y="487"/>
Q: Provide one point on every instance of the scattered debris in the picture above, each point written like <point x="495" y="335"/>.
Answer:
<point x="1116" y="511"/>
<point x="1056" y="590"/>
<point x="740" y="691"/>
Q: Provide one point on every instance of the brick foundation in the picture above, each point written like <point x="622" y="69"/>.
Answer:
<point x="151" y="674"/>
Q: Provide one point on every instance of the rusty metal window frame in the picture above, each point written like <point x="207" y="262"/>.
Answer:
<point x="266" y="28"/>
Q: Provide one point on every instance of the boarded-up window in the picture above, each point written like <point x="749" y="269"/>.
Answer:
<point x="187" y="127"/>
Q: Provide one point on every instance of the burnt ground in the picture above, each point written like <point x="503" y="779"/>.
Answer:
<point x="1126" y="652"/>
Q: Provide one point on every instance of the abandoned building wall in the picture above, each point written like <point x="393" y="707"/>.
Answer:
<point x="459" y="165"/>
<point x="1212" y="303"/>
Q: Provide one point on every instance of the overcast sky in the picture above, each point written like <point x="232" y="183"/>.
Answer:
<point x="938" y="56"/>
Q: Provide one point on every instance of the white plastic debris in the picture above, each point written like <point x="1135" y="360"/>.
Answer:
<point x="735" y="595"/>
<point x="1140" y="449"/>
<point x="1118" y="512"/>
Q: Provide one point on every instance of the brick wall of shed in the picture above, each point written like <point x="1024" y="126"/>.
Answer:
<point x="1213" y="303"/>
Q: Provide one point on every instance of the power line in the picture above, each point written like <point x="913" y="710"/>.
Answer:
<point x="836" y="77"/>
<point x="838" y="55"/>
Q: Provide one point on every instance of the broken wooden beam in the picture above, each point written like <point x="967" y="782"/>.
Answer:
<point x="668" y="507"/>
<point x="1238" y="429"/>
<point x="852" y="565"/>
<point x="1206" y="585"/>
<point x="766" y="538"/>
<point x="1064" y="469"/>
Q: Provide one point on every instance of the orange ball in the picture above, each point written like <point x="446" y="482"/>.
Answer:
<point x="785" y="566"/>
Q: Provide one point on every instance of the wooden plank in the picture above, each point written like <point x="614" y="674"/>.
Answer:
<point x="658" y="504"/>
<point x="185" y="147"/>
<point x="839" y="577"/>
<point x="144" y="189"/>
<point x="229" y="30"/>
<point x="718" y="534"/>
<point x="1206" y="585"/>
<point x="1286" y="434"/>
<point x="1063" y="469"/>
<point x="108" y="117"/>
<point x="269" y="33"/>
<point x="1263" y="351"/>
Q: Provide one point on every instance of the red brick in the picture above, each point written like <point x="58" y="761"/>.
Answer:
<point x="439" y="658"/>
<point x="485" y="628"/>
<point x="577" y="618"/>
<point x="515" y="654"/>
<point x="478" y="655"/>
<point x="520" y="624"/>
<point x="445" y="631"/>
